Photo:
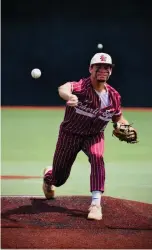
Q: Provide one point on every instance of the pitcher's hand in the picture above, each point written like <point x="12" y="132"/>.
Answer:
<point x="73" y="100"/>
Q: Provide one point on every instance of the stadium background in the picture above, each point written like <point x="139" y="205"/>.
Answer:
<point x="60" y="37"/>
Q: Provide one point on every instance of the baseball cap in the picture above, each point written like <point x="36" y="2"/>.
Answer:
<point x="101" y="58"/>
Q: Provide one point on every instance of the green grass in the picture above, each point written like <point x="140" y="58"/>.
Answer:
<point x="28" y="143"/>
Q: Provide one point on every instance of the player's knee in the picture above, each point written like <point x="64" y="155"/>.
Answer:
<point x="60" y="182"/>
<point x="95" y="159"/>
<point x="60" y="179"/>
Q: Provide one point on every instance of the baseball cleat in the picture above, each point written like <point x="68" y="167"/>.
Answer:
<point x="95" y="212"/>
<point x="49" y="190"/>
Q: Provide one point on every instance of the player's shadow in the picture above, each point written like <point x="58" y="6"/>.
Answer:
<point x="38" y="206"/>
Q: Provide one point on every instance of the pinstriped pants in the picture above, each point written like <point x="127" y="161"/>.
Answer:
<point x="67" y="148"/>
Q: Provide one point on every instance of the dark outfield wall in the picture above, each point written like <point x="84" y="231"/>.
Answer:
<point x="60" y="37"/>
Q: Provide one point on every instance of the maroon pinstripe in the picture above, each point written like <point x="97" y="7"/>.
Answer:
<point x="83" y="129"/>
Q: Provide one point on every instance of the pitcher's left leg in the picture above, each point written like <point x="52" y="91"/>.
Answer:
<point x="94" y="148"/>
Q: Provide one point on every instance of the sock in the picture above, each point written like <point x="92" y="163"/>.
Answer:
<point x="96" y="198"/>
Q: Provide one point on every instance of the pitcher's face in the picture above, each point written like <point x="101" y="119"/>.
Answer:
<point x="100" y="72"/>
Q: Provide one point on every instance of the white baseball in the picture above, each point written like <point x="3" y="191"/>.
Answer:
<point x="36" y="73"/>
<point x="100" y="46"/>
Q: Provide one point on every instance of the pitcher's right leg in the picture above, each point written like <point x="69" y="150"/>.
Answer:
<point x="67" y="148"/>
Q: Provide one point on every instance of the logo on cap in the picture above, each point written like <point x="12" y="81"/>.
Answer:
<point x="103" y="58"/>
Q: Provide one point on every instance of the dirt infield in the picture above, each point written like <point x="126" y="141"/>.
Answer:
<point x="32" y="222"/>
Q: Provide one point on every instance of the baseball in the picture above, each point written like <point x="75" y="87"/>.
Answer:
<point x="36" y="73"/>
<point x="100" y="46"/>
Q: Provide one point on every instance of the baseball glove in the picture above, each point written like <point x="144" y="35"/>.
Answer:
<point x="125" y="132"/>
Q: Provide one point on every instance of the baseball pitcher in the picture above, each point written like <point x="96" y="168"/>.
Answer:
<point x="90" y="104"/>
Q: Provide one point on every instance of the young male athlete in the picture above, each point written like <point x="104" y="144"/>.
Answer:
<point x="90" y="104"/>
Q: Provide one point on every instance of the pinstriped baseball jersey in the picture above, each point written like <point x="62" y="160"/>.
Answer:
<point x="90" y="116"/>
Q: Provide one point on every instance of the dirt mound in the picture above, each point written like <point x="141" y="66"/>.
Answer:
<point x="32" y="222"/>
